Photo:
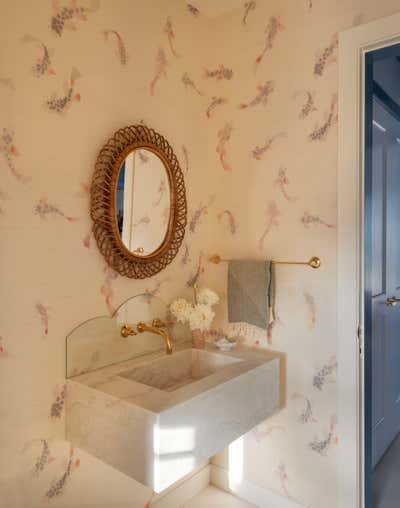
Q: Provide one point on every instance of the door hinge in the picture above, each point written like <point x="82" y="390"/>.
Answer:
<point x="360" y="339"/>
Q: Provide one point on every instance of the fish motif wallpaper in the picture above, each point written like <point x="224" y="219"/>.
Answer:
<point x="249" y="103"/>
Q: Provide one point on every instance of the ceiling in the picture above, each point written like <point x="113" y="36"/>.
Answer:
<point x="214" y="8"/>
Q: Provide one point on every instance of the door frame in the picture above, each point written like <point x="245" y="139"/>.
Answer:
<point x="352" y="338"/>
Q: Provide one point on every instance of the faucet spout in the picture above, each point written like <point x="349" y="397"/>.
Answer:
<point x="157" y="327"/>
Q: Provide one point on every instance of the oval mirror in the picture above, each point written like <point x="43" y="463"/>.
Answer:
<point x="143" y="202"/>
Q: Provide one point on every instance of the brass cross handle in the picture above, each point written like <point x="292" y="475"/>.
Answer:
<point x="392" y="301"/>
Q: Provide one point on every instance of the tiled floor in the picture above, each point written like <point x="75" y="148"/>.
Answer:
<point x="385" y="483"/>
<point x="215" y="498"/>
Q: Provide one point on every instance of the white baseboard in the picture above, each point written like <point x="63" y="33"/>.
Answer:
<point x="258" y="496"/>
<point x="189" y="487"/>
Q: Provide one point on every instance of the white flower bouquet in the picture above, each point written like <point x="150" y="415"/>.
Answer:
<point x="198" y="315"/>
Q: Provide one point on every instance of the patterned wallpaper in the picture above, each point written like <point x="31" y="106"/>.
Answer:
<point x="249" y="103"/>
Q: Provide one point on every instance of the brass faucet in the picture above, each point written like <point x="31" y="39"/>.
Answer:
<point x="156" y="327"/>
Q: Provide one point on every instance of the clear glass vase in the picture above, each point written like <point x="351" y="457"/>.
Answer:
<point x="198" y="339"/>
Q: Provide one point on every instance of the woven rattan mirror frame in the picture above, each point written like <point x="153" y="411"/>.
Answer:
<point x="103" y="198"/>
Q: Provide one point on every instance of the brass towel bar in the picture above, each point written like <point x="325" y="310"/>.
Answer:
<point x="314" y="262"/>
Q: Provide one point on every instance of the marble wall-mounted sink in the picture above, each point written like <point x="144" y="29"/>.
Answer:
<point x="158" y="418"/>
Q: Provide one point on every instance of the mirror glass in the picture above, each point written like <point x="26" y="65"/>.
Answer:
<point x="143" y="202"/>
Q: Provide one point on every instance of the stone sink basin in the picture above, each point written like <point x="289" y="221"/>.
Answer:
<point x="159" y="417"/>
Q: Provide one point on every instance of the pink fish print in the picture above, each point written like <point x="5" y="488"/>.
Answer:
<point x="310" y="301"/>
<point x="309" y="219"/>
<point x="264" y="91"/>
<point x="284" y="478"/>
<point x="262" y="431"/>
<point x="215" y="102"/>
<point x="43" y="312"/>
<point x="43" y="65"/>
<point x="271" y="32"/>
<point x="121" y="49"/>
<point x="282" y="182"/>
<point x="149" y="294"/>
<point x="65" y="17"/>
<point x="106" y="289"/>
<point x="57" y="406"/>
<point x="168" y="29"/>
<point x="161" y="69"/>
<point x="326" y="374"/>
<point x="43" y="460"/>
<point x="323" y="445"/>
<point x="8" y="82"/>
<point x="224" y="135"/>
<point x="198" y="214"/>
<point x="232" y="224"/>
<point x="320" y="132"/>
<point x="306" y="416"/>
<point x="162" y="189"/>
<point x="61" y="104"/>
<point x="194" y="278"/>
<point x="189" y="83"/>
<point x="58" y="486"/>
<point x="220" y="73"/>
<point x="186" y="157"/>
<point x="44" y="208"/>
<point x="87" y="240"/>
<point x="248" y="7"/>
<point x="194" y="11"/>
<point x="259" y="151"/>
<point x="309" y="106"/>
<point x="3" y="350"/>
<point x="326" y="57"/>
<point x="272" y="220"/>
<point x="9" y="152"/>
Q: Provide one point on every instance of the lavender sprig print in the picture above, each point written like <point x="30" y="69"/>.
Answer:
<point x="186" y="158"/>
<point x="248" y="7"/>
<point x="309" y="4"/>
<point x="194" y="11"/>
<point x="309" y="105"/>
<point x="194" y="278"/>
<point x="9" y="152"/>
<point x="162" y="189"/>
<point x="306" y="416"/>
<point x="198" y="214"/>
<point x="320" y="132"/>
<point x="322" y="446"/>
<point x="272" y="30"/>
<point x="57" y="406"/>
<point x="169" y="31"/>
<point x="272" y="220"/>
<point x="43" y="460"/>
<point x="309" y="220"/>
<point x="43" y="64"/>
<point x="224" y="136"/>
<point x="220" y="73"/>
<point x="215" y="102"/>
<point x="327" y="56"/>
<point x="43" y="313"/>
<point x="44" y="209"/>
<point x="189" y="83"/>
<point x="8" y="82"/>
<point x="186" y="255"/>
<point x="282" y="182"/>
<point x="65" y="17"/>
<point x="161" y="69"/>
<point x="258" y="151"/>
<point x="3" y="350"/>
<point x="264" y="91"/>
<point x="232" y="224"/>
<point x="310" y="301"/>
<point x="62" y="103"/>
<point x="121" y="49"/>
<point x="325" y="374"/>
<point x="58" y="486"/>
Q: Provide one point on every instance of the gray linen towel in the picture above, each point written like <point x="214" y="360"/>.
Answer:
<point x="251" y="292"/>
